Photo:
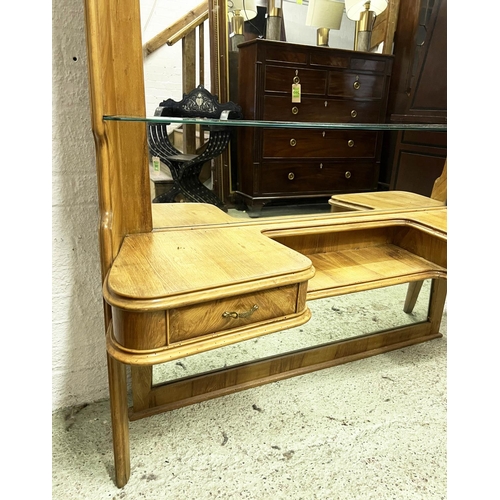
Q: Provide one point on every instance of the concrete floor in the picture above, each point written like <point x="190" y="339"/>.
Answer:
<point x="371" y="429"/>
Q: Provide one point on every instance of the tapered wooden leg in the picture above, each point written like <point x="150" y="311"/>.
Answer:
<point x="119" y="420"/>
<point x="412" y="295"/>
<point x="439" y="288"/>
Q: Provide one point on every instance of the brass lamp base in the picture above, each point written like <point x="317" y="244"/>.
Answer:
<point x="322" y="37"/>
<point x="236" y="39"/>
<point x="364" y="27"/>
<point x="363" y="41"/>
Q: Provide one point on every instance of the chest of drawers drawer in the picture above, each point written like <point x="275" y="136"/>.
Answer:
<point x="281" y="108"/>
<point x="308" y="177"/>
<point x="313" y="143"/>
<point x="361" y="86"/>
<point x="326" y="83"/>
<point x="281" y="79"/>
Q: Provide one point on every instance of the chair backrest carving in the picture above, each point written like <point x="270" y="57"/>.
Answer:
<point x="199" y="103"/>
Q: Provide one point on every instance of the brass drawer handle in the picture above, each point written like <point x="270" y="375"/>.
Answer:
<point x="348" y="175"/>
<point x="234" y="314"/>
<point x="293" y="142"/>
<point x="296" y="79"/>
<point x="354" y="113"/>
<point x="356" y="85"/>
<point x="291" y="176"/>
<point x="295" y="110"/>
<point x="350" y="143"/>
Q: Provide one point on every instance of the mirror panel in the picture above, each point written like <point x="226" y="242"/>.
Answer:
<point x="333" y="319"/>
<point x="164" y="68"/>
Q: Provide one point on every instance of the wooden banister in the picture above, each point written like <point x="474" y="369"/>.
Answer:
<point x="179" y="29"/>
<point x="385" y="27"/>
<point x="184" y="29"/>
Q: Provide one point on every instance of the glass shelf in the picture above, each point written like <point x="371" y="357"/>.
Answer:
<point x="434" y="127"/>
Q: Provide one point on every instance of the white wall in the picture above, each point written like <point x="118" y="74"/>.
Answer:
<point x="163" y="68"/>
<point x="78" y="346"/>
<point x="295" y="15"/>
<point x="79" y="372"/>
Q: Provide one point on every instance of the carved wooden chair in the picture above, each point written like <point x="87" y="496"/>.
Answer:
<point x="186" y="168"/>
<point x="389" y="200"/>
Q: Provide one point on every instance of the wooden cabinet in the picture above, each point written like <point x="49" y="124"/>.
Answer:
<point x="417" y="94"/>
<point x="297" y="83"/>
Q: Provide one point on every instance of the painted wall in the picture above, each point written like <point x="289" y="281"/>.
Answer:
<point x="78" y="345"/>
<point x="79" y="371"/>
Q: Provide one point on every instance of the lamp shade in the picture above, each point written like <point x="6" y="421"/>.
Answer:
<point x="354" y="8"/>
<point x="247" y="8"/>
<point x="324" y="14"/>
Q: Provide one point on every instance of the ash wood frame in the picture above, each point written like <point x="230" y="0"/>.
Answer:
<point x="116" y="81"/>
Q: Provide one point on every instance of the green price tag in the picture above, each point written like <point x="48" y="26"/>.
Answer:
<point x="296" y="92"/>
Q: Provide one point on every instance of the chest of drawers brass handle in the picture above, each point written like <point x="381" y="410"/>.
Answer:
<point x="291" y="176"/>
<point x="296" y="79"/>
<point x="295" y="110"/>
<point x="350" y="143"/>
<point x="348" y="175"/>
<point x="356" y="85"/>
<point x="354" y="113"/>
<point x="293" y="142"/>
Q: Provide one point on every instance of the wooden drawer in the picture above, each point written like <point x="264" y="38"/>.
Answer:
<point x="227" y="314"/>
<point x="316" y="177"/>
<point x="356" y="85"/>
<point x="278" y="53"/>
<point x="372" y="65"/>
<point x="329" y="58"/>
<point x="422" y="138"/>
<point x="337" y="83"/>
<point x="312" y="143"/>
<point x="280" y="79"/>
<point x="281" y="108"/>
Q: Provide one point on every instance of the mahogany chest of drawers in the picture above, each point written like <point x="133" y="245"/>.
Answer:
<point x="280" y="81"/>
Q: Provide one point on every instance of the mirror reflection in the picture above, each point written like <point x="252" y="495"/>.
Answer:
<point x="333" y="319"/>
<point x="178" y="57"/>
<point x="163" y="23"/>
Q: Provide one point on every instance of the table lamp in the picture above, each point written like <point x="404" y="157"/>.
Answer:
<point x="326" y="15"/>
<point x="239" y="11"/>
<point x="364" y="13"/>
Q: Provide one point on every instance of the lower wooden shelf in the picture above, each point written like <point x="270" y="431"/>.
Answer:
<point x="353" y="257"/>
<point x="348" y="270"/>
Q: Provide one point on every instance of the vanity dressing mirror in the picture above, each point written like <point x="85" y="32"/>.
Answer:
<point x="201" y="280"/>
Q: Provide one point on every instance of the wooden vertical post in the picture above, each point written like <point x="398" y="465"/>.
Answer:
<point x="116" y="85"/>
<point x="188" y="84"/>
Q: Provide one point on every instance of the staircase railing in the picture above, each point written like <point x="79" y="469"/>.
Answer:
<point x="190" y="29"/>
